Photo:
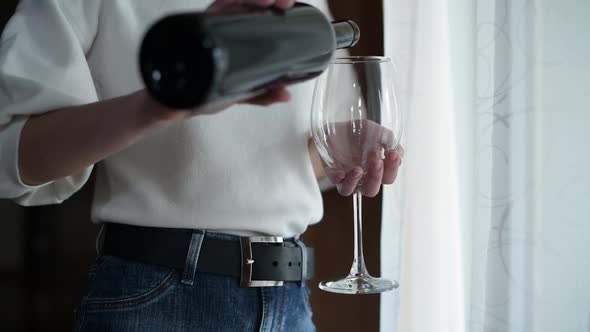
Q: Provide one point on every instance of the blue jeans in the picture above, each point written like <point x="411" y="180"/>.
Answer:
<point x="126" y="296"/>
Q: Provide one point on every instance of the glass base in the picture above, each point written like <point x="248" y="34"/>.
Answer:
<point x="359" y="285"/>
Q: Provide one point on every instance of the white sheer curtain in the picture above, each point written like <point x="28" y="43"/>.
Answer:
<point x="488" y="228"/>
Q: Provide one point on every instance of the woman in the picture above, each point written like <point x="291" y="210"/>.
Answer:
<point x="181" y="194"/>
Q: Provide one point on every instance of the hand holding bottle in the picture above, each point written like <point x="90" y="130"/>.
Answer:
<point x="238" y="51"/>
<point x="92" y="132"/>
<point x="279" y="94"/>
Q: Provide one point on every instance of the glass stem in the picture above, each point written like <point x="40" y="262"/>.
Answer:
<point x="358" y="264"/>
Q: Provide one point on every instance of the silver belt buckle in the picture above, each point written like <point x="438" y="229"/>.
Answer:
<point x="248" y="261"/>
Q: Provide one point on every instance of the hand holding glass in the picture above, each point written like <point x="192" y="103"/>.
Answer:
<point x="356" y="123"/>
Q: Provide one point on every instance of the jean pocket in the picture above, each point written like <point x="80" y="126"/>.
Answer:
<point x="121" y="284"/>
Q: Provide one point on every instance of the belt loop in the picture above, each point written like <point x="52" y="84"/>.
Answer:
<point x="192" y="257"/>
<point x="303" y="248"/>
<point x="100" y="239"/>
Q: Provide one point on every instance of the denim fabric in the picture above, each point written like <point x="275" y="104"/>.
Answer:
<point x="125" y="296"/>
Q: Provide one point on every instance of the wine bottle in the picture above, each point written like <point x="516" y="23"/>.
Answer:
<point x="196" y="60"/>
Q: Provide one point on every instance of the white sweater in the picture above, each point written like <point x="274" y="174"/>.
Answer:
<point x="243" y="171"/>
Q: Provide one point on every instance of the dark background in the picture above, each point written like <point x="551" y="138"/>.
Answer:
<point x="45" y="251"/>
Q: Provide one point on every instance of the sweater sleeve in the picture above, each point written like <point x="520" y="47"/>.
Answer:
<point x="43" y="67"/>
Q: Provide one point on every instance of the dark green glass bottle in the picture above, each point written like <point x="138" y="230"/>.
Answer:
<point x="196" y="60"/>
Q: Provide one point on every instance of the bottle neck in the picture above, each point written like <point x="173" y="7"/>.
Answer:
<point x="347" y="33"/>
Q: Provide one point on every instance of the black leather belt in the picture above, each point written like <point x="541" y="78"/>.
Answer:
<point x="257" y="261"/>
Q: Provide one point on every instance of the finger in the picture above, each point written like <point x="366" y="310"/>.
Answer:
<point x="259" y="3"/>
<point x="279" y="95"/>
<point x="387" y="138"/>
<point x="335" y="176"/>
<point x="373" y="178"/>
<point x="400" y="151"/>
<point x="220" y="5"/>
<point x="391" y="166"/>
<point x="350" y="182"/>
<point x="284" y="4"/>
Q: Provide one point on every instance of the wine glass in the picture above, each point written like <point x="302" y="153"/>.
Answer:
<point x="355" y="118"/>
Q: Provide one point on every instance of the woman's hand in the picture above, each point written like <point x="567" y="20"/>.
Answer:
<point x="378" y="171"/>
<point x="278" y="94"/>
<point x="363" y="156"/>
